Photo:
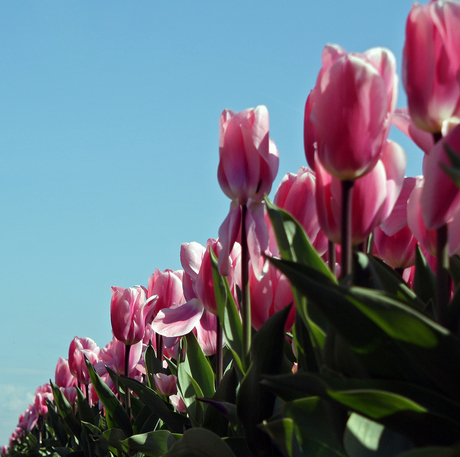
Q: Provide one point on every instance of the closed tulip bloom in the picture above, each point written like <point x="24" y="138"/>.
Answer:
<point x="78" y="350"/>
<point x="440" y="196"/>
<point x="127" y="314"/>
<point x="431" y="63"/>
<point x="296" y="195"/>
<point x="248" y="159"/>
<point x="373" y="197"/>
<point x="351" y="111"/>
<point x="394" y="242"/>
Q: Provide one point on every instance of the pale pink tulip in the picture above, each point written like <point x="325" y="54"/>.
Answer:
<point x="78" y="350"/>
<point x="165" y="384"/>
<point x="164" y="291"/>
<point x="350" y="111"/>
<point x="403" y="122"/>
<point x="113" y="356"/>
<point x="127" y="314"/>
<point x="373" y="196"/>
<point x="178" y="403"/>
<point x="431" y="63"/>
<point x="248" y="160"/>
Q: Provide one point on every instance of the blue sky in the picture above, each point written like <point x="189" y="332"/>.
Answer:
<point x="109" y="117"/>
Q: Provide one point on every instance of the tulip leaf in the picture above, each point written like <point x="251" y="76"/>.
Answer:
<point x="154" y="444"/>
<point x="293" y="242"/>
<point x="282" y="432"/>
<point x="312" y="426"/>
<point x="255" y="403"/>
<point x="229" y="317"/>
<point x="114" y="408"/>
<point x="390" y="339"/>
<point x="152" y="365"/>
<point x="424" y="279"/>
<point x="65" y="410"/>
<point x="85" y="413"/>
<point x="175" y="422"/>
<point x="57" y="424"/>
<point x="200" y="442"/>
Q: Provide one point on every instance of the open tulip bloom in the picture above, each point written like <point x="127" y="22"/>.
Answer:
<point x="258" y="346"/>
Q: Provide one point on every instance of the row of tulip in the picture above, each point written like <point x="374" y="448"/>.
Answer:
<point x="215" y="358"/>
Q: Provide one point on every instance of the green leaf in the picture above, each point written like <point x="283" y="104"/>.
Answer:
<point x="254" y="402"/>
<point x="85" y="413"/>
<point x="154" y="444"/>
<point x="65" y="410"/>
<point x="174" y="421"/>
<point x="313" y="428"/>
<point x="390" y="339"/>
<point x="393" y="283"/>
<point x="152" y="365"/>
<point x="293" y="242"/>
<point x="229" y="317"/>
<point x="367" y="438"/>
<point x="424" y="279"/>
<point x="200" y="442"/>
<point x="56" y="423"/>
<point x="282" y="432"/>
<point x="113" y="407"/>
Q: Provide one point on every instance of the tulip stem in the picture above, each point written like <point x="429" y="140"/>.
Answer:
<point x="219" y="355"/>
<point x="345" y="238"/>
<point x="442" y="274"/>
<point x="159" y="344"/>
<point x="127" y="395"/>
<point x="331" y="257"/>
<point x="245" y="298"/>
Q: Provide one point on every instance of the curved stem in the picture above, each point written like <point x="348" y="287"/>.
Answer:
<point x="219" y="355"/>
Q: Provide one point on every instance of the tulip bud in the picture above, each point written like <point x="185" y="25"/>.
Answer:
<point x="127" y="314"/>
<point x="431" y="63"/>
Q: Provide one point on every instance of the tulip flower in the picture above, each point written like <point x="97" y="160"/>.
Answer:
<point x="78" y="350"/>
<point x="127" y="314"/>
<point x="394" y="242"/>
<point x="373" y="197"/>
<point x="349" y="111"/>
<point x="431" y="63"/>
<point x="440" y="197"/>
<point x="296" y="195"/>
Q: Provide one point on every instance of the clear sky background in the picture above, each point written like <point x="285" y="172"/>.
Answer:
<point x="109" y="115"/>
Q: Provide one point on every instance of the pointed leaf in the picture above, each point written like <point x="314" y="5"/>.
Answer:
<point x="113" y="407"/>
<point x="154" y="444"/>
<point x="65" y="410"/>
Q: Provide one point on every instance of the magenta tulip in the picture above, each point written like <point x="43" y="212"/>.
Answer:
<point x="431" y="63"/>
<point x="127" y="314"/>
<point x="350" y="112"/>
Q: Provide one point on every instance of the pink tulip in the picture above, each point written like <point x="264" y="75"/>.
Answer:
<point x="393" y="240"/>
<point x="373" y="197"/>
<point x="350" y="111"/>
<point x="440" y="197"/>
<point x="431" y="63"/>
<point x="78" y="350"/>
<point x="127" y="314"/>
<point x="270" y="294"/>
<point x="248" y="159"/>
<point x="403" y="122"/>
<point x="164" y="291"/>
<point x="296" y="195"/>
<point x="113" y="356"/>
<point x="65" y="381"/>
<point x="248" y="164"/>
<point x="178" y="403"/>
<point x="166" y="384"/>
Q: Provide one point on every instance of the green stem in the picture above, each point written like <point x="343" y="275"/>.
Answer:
<point x="442" y="275"/>
<point x="331" y="257"/>
<point x="345" y="238"/>
<point x="219" y="355"/>
<point x="245" y="299"/>
<point x="127" y="395"/>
